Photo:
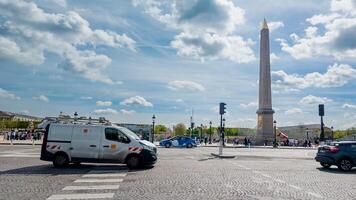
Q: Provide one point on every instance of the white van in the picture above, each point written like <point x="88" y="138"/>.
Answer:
<point x="85" y="141"/>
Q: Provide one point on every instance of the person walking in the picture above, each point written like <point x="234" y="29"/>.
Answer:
<point x="245" y="142"/>
<point x="205" y="140"/>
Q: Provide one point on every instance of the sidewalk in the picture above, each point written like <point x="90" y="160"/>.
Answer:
<point x="229" y="145"/>
<point x="20" y="142"/>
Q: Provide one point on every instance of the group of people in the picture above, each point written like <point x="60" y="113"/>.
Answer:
<point x="22" y="135"/>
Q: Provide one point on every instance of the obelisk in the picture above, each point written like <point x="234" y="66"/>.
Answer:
<point x="265" y="111"/>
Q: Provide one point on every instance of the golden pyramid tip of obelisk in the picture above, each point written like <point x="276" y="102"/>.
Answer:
<point x="264" y="25"/>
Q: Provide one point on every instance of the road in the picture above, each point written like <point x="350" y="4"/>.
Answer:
<point x="179" y="174"/>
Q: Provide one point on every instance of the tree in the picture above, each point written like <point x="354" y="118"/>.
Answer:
<point x="160" y="129"/>
<point x="180" y="129"/>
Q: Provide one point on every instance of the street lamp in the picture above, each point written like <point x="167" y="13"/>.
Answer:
<point x="332" y="133"/>
<point x="307" y="134"/>
<point x="210" y="132"/>
<point x="275" y="134"/>
<point x="153" y="128"/>
<point x="201" y="132"/>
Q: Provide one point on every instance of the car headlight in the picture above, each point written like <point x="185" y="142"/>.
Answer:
<point x="147" y="147"/>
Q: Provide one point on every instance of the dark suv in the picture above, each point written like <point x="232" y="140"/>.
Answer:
<point x="341" y="154"/>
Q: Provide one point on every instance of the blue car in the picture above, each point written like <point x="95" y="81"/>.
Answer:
<point x="179" y="141"/>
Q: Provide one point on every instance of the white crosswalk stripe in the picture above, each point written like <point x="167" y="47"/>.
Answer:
<point x="92" y="181"/>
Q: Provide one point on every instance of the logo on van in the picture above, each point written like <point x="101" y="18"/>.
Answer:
<point x="113" y="146"/>
<point x="85" y="130"/>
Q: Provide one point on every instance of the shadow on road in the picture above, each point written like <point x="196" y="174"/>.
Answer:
<point x="336" y="171"/>
<point x="50" y="170"/>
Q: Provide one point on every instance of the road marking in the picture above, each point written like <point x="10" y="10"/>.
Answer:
<point x="81" y="196"/>
<point x="115" y="180"/>
<point x="315" y="195"/>
<point x="92" y="187"/>
<point x="104" y="175"/>
<point x="98" y="171"/>
<point x="21" y="155"/>
<point x="295" y="187"/>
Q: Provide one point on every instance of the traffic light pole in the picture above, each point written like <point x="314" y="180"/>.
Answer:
<point x="221" y="136"/>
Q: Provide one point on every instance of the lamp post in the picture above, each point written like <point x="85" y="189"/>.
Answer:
<point x="153" y="128"/>
<point x="307" y="134"/>
<point x="210" y="123"/>
<point x="201" y="132"/>
<point x="332" y="133"/>
<point x="275" y="134"/>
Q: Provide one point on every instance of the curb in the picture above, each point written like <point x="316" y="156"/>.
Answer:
<point x="261" y="147"/>
<point x="223" y="156"/>
<point x="13" y="144"/>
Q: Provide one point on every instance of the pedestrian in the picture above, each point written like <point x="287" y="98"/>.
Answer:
<point x="205" y="140"/>
<point x="265" y="142"/>
<point x="245" y="141"/>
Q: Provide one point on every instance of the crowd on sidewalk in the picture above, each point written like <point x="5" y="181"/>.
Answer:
<point x="21" y="135"/>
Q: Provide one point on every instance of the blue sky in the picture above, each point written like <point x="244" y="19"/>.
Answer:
<point x="127" y="60"/>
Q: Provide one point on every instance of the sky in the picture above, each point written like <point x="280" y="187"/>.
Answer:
<point x="127" y="60"/>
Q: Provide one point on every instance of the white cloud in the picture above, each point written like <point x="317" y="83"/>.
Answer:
<point x="25" y="112"/>
<point x="293" y="111"/>
<point x="273" y="25"/>
<point x="346" y="105"/>
<point x="274" y="57"/>
<point x="127" y="112"/>
<point x="328" y="35"/>
<point x="7" y="95"/>
<point x="103" y="103"/>
<point x="180" y="101"/>
<point x="310" y="99"/>
<point x="107" y="111"/>
<point x="249" y="105"/>
<point x="86" y="98"/>
<point x="29" y="32"/>
<point x="41" y="98"/>
<point x="215" y="109"/>
<point x="336" y="76"/>
<point x="185" y="85"/>
<point x="206" y="28"/>
<point x="136" y="100"/>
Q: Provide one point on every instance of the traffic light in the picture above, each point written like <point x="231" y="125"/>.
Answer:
<point x="222" y="108"/>
<point x="321" y="110"/>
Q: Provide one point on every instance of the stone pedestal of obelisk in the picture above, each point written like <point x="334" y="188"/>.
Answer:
<point x="265" y="111"/>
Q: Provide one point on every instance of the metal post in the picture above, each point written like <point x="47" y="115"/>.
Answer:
<point x="220" y="140"/>
<point x="322" y="135"/>
<point x="153" y="128"/>
<point x="275" y="134"/>
<point x="201" y="132"/>
<point x="210" y="132"/>
<point x="332" y="133"/>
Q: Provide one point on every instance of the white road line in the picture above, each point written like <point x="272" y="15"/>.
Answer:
<point x="295" y="187"/>
<point x="103" y="175"/>
<point x="92" y="187"/>
<point x="114" y="180"/>
<point x="81" y="196"/>
<point x="107" y="171"/>
<point x="279" y="180"/>
<point x="20" y="155"/>
<point x="315" y="195"/>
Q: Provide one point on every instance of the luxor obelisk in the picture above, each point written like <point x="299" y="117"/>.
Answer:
<point x="265" y="111"/>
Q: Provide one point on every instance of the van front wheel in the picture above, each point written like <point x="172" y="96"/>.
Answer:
<point x="133" y="162"/>
<point x="60" y="160"/>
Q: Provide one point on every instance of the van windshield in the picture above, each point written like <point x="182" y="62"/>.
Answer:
<point x="129" y="133"/>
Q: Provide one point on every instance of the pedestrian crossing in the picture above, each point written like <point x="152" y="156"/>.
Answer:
<point x="20" y="154"/>
<point x="96" y="184"/>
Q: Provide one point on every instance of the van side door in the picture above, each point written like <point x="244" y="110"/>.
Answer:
<point x="114" y="145"/>
<point x="85" y="142"/>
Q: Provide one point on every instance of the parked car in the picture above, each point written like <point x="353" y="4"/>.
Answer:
<point x="341" y="154"/>
<point x="179" y="141"/>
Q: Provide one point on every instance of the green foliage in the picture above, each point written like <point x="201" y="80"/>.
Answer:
<point x="159" y="129"/>
<point x="231" y="131"/>
<point x="343" y="133"/>
<point x="179" y="129"/>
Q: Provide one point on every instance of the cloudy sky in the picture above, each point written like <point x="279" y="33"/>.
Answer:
<point x="127" y="60"/>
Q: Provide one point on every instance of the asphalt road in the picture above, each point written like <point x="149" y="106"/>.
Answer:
<point x="179" y="174"/>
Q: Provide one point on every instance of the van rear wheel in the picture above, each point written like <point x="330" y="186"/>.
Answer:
<point x="60" y="160"/>
<point x="133" y="162"/>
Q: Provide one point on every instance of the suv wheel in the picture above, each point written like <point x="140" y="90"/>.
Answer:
<point x="345" y="164"/>
<point x="133" y="162"/>
<point x="325" y="165"/>
<point x="167" y="145"/>
<point x="60" y="160"/>
<point x="189" y="146"/>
